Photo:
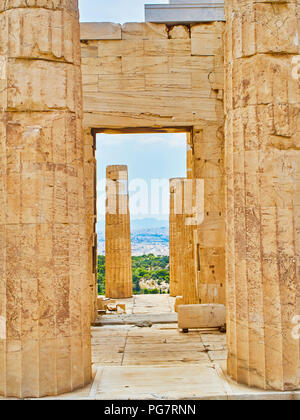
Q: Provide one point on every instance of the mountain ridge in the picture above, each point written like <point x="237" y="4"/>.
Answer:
<point x="151" y="237"/>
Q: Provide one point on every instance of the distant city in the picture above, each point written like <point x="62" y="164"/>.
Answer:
<point x="148" y="236"/>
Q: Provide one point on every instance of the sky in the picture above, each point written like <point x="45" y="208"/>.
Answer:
<point x="118" y="11"/>
<point x="152" y="159"/>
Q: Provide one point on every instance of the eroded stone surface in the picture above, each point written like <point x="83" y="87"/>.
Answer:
<point x="152" y="78"/>
<point x="44" y="301"/>
<point x="262" y="165"/>
<point x="157" y="77"/>
<point x="176" y="242"/>
<point x="201" y="316"/>
<point x="118" y="271"/>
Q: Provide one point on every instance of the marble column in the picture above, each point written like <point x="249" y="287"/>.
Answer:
<point x="190" y="292"/>
<point x="118" y="269"/>
<point x="44" y="298"/>
<point x="262" y="105"/>
<point x="177" y="220"/>
<point x="90" y="177"/>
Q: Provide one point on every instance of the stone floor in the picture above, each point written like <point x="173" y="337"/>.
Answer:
<point x="149" y="304"/>
<point x="161" y="363"/>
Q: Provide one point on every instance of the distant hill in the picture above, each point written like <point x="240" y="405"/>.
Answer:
<point x="148" y="236"/>
<point x="144" y="224"/>
<point x="139" y="224"/>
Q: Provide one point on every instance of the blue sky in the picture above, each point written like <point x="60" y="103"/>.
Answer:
<point x="148" y="157"/>
<point x="118" y="11"/>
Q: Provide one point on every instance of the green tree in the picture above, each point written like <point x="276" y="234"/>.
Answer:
<point x="143" y="267"/>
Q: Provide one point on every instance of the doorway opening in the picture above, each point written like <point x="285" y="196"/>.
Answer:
<point x="152" y="159"/>
<point x="144" y="343"/>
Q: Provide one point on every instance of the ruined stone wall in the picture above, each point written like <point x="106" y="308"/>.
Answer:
<point x="44" y="299"/>
<point x="147" y="76"/>
<point x="263" y="191"/>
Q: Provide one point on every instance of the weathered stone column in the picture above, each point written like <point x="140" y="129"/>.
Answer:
<point x="263" y="189"/>
<point x="190" y="291"/>
<point x="186" y="193"/>
<point x="118" y="270"/>
<point x="177" y="219"/>
<point x="90" y="176"/>
<point x="44" y="299"/>
<point x="189" y="156"/>
<point x="209" y="236"/>
<point x="172" y="243"/>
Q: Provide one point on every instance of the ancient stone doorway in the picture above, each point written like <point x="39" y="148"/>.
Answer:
<point x="164" y="156"/>
<point x="142" y="75"/>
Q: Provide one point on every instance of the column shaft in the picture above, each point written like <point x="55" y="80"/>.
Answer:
<point x="263" y="189"/>
<point x="209" y="237"/>
<point x="118" y="268"/>
<point x="44" y="300"/>
<point x="177" y="219"/>
<point x="90" y="176"/>
<point x="188" y="226"/>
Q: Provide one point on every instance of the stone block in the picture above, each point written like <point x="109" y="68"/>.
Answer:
<point x="144" y="31"/>
<point x="100" y="31"/>
<point x="178" y="301"/>
<point x="39" y="85"/>
<point x="206" y="44"/>
<point x="201" y="316"/>
<point x="51" y="39"/>
<point x="179" y="32"/>
<point x="120" y="48"/>
<point x="167" y="47"/>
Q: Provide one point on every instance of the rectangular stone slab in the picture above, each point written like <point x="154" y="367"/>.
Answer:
<point x="201" y="316"/>
<point x="100" y="30"/>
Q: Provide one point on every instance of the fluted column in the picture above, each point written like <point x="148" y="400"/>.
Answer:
<point x="44" y="299"/>
<point x="90" y="176"/>
<point x="263" y="190"/>
<point x="177" y="219"/>
<point x="183" y="281"/>
<point x="118" y="269"/>
<point x="172" y="243"/>
<point x="209" y="236"/>
<point x="186" y="195"/>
